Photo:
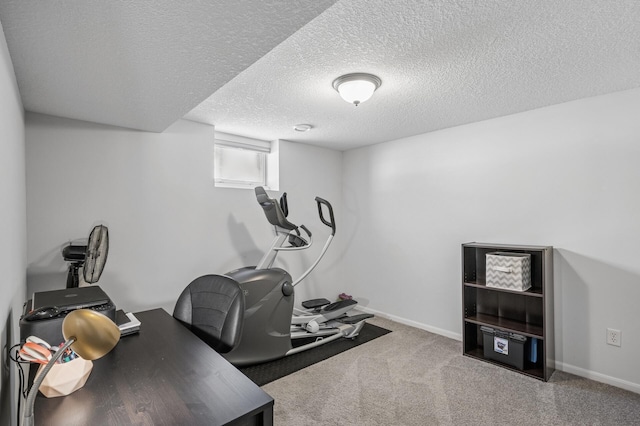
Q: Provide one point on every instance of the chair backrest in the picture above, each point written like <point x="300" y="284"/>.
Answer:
<point x="212" y="307"/>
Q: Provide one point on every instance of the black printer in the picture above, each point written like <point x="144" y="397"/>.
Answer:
<point x="43" y="314"/>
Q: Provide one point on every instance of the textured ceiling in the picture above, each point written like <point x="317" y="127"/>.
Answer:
<point x="442" y="63"/>
<point x="257" y="68"/>
<point x="139" y="64"/>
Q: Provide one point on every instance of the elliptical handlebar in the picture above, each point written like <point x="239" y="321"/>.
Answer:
<point x="284" y="205"/>
<point x="304" y="228"/>
<point x="331" y="223"/>
<point x="297" y="241"/>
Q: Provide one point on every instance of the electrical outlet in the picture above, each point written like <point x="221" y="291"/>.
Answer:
<point x="614" y="337"/>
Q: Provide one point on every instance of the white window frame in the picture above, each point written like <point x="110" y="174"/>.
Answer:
<point x="270" y="165"/>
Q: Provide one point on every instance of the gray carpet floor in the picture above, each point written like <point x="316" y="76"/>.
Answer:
<point x="413" y="377"/>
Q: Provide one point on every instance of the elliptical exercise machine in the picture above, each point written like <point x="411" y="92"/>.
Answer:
<point x="273" y="327"/>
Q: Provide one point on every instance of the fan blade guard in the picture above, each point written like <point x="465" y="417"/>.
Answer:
<point x="97" y="251"/>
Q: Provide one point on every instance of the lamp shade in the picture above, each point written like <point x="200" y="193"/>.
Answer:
<point x="94" y="334"/>
<point x="357" y="87"/>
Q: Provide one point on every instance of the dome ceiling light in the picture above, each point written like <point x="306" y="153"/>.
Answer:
<point x="357" y="87"/>
<point x="302" y="127"/>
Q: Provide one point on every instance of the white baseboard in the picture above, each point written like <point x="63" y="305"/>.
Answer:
<point x="431" y="329"/>
<point x="567" y="368"/>
<point x="598" y="377"/>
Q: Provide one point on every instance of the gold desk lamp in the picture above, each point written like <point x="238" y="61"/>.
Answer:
<point x="90" y="334"/>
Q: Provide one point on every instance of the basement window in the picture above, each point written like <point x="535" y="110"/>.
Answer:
<point x="245" y="163"/>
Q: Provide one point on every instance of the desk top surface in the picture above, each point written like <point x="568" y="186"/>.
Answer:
<point x="162" y="375"/>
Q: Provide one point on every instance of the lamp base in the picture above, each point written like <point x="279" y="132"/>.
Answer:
<point x="65" y="378"/>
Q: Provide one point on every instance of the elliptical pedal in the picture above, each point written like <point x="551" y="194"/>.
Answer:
<point x="315" y="303"/>
<point x="354" y="319"/>
<point x="339" y="305"/>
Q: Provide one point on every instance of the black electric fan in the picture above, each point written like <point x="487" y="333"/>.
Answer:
<point x="90" y="257"/>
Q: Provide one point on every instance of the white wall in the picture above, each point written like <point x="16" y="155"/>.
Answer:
<point x="13" y="246"/>
<point x="565" y="176"/>
<point x="167" y="223"/>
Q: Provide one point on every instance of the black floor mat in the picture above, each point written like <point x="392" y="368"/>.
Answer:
<point x="261" y="374"/>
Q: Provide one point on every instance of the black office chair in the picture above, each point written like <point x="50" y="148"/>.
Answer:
<point x="212" y="307"/>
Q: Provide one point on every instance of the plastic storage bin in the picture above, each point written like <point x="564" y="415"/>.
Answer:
<point x="504" y="346"/>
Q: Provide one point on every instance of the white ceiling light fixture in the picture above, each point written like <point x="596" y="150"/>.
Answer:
<point x="357" y="87"/>
<point x="302" y="127"/>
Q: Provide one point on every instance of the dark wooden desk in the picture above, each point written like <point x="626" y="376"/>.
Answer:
<point x="163" y="375"/>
